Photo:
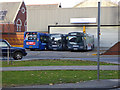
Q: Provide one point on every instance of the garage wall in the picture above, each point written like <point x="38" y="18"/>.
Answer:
<point x="108" y="37"/>
<point x="119" y="21"/>
<point x="64" y="30"/>
<point x="119" y="12"/>
<point x="40" y="16"/>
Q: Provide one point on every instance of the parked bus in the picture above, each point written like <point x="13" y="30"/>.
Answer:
<point x="57" y="42"/>
<point x="80" y="41"/>
<point x="35" y="40"/>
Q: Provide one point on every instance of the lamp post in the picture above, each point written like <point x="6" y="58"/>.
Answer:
<point x="98" y="42"/>
<point x="8" y="48"/>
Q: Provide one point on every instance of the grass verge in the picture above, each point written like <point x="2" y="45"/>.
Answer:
<point x="52" y="63"/>
<point x="18" y="78"/>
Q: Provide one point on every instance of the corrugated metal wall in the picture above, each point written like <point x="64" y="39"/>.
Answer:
<point x="39" y="17"/>
<point x="119" y="21"/>
<point x="108" y="37"/>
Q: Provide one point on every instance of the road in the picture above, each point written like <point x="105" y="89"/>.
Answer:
<point x="68" y="55"/>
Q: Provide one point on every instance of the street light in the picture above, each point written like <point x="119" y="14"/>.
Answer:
<point x="98" y="41"/>
<point x="8" y="48"/>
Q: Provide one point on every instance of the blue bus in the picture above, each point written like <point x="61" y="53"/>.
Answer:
<point x="36" y="40"/>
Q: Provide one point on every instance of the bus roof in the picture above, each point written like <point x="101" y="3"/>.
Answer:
<point x="37" y="33"/>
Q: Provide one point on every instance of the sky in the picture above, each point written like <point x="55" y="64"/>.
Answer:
<point x="64" y="3"/>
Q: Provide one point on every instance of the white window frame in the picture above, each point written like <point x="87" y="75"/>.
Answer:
<point x="19" y="25"/>
<point x="25" y="25"/>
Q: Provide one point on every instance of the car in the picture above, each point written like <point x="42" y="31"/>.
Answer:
<point x="16" y="52"/>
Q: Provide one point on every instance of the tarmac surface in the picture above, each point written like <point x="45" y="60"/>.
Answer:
<point x="67" y="55"/>
<point x="29" y="68"/>
<point x="111" y="84"/>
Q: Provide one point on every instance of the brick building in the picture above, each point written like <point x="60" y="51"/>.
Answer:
<point x="13" y="21"/>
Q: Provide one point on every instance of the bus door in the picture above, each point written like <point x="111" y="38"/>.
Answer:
<point x="64" y="41"/>
<point x="44" y="41"/>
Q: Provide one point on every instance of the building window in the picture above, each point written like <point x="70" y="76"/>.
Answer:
<point x="3" y="14"/>
<point x="23" y="10"/>
<point x="19" y="25"/>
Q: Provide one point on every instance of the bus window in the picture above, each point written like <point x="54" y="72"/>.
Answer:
<point x="56" y="37"/>
<point x="31" y="36"/>
<point x="57" y="42"/>
<point x="79" y="39"/>
<point x="43" y="39"/>
<point x="75" y="39"/>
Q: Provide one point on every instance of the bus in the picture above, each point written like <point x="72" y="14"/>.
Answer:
<point x="80" y="41"/>
<point x="36" y="40"/>
<point x="57" y="42"/>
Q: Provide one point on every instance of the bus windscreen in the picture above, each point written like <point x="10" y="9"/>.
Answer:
<point x="31" y="36"/>
<point x="75" y="39"/>
<point x="55" y="37"/>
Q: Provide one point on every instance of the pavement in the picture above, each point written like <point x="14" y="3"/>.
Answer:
<point x="110" y="84"/>
<point x="29" y="68"/>
<point x="113" y="60"/>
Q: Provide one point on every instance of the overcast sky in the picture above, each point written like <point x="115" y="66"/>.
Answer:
<point x="64" y="3"/>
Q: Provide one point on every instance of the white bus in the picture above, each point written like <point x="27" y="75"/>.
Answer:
<point x="80" y="41"/>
